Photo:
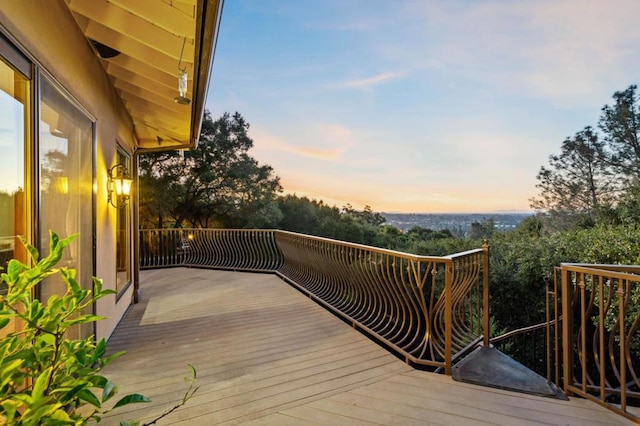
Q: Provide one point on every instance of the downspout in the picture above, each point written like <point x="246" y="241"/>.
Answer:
<point x="135" y="228"/>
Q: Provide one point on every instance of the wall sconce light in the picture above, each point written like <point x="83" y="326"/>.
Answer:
<point x="118" y="186"/>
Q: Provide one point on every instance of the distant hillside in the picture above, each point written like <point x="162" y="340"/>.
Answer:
<point x="458" y="223"/>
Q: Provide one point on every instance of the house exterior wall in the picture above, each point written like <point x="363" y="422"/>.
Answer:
<point x="46" y="32"/>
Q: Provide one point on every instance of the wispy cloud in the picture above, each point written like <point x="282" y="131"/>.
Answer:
<point x="367" y="82"/>
<point x="373" y="81"/>
<point x="563" y="51"/>
<point x="324" y="142"/>
<point x="483" y="91"/>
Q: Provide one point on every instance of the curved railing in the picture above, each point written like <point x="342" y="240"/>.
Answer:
<point x="160" y="248"/>
<point x="601" y="334"/>
<point x="429" y="309"/>
<point x="249" y="250"/>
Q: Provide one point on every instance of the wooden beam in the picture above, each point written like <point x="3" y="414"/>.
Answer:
<point x="139" y="79"/>
<point x="167" y="94"/>
<point x="138" y="67"/>
<point x="135" y="49"/>
<point x="134" y="27"/>
<point x="175" y="130"/>
<point x="165" y="16"/>
<point x="138" y="104"/>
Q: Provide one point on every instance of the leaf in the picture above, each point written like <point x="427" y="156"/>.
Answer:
<point x="4" y="322"/>
<point x="109" y="391"/>
<point x="31" y="249"/>
<point x="87" y="396"/>
<point x="133" y="398"/>
<point x="9" y="409"/>
<point x="110" y="358"/>
<point x="40" y="384"/>
<point x="98" y="292"/>
<point x="13" y="269"/>
<point x="100" y="349"/>
<point x="9" y="370"/>
<point x="193" y="371"/>
<point x="60" y="415"/>
<point x="68" y="276"/>
<point x="35" y="311"/>
<point x="98" y="381"/>
<point x="84" y="319"/>
<point x="53" y="241"/>
<point x="56" y="245"/>
<point x="71" y="394"/>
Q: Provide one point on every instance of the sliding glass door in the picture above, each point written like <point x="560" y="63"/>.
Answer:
<point x="14" y="125"/>
<point x="66" y="184"/>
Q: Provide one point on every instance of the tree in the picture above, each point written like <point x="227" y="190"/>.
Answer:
<point x="218" y="184"/>
<point x="620" y="124"/>
<point x="483" y="229"/>
<point x="299" y="214"/>
<point x="578" y="181"/>
<point x="367" y="215"/>
<point x="158" y="188"/>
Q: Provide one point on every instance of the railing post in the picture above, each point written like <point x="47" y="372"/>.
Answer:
<point x="567" y="347"/>
<point x="547" y="297"/>
<point x="448" y="320"/>
<point x="485" y="294"/>
<point x="623" y="345"/>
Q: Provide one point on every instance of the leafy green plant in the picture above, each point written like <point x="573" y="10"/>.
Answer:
<point x="45" y="377"/>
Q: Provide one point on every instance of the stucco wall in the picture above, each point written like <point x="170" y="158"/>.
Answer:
<point x="47" y="33"/>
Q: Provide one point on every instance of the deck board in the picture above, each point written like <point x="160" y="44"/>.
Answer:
<point x="267" y="354"/>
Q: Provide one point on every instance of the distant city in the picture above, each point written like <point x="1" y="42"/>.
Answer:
<point x="458" y="223"/>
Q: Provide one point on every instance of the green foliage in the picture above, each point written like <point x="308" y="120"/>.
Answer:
<point x="46" y="378"/>
<point x="521" y="259"/>
<point x="620" y="124"/>
<point x="578" y="181"/>
<point x="482" y="230"/>
<point x="516" y="279"/>
<point x="218" y="184"/>
<point x="594" y="180"/>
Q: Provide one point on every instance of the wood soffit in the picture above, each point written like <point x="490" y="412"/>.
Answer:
<point x="140" y="45"/>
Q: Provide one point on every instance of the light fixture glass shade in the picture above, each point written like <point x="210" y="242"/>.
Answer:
<point x="122" y="186"/>
<point x="182" y="82"/>
<point x="126" y="187"/>
<point x="182" y="88"/>
<point x="119" y="186"/>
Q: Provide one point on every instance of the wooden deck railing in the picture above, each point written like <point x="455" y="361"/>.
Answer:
<point x="428" y="309"/>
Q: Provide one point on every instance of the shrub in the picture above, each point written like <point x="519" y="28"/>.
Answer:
<point x="45" y="377"/>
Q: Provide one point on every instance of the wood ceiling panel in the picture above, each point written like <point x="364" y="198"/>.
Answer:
<point x="139" y="80"/>
<point x="159" y="127"/>
<point x="166" y="94"/>
<point x="171" y="120"/>
<point x="149" y="35"/>
<point x="135" y="49"/>
<point x="173" y="130"/>
<point x="158" y="102"/>
<point x="186" y="6"/>
<point x="172" y="19"/>
<point x="134" y="27"/>
<point x="138" y="67"/>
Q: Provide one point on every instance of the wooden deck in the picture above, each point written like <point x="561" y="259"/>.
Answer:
<point x="268" y="355"/>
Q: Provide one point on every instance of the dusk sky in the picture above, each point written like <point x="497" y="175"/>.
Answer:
<point x="420" y="106"/>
